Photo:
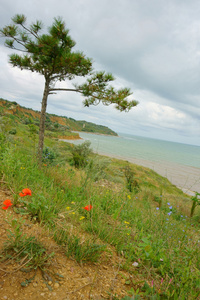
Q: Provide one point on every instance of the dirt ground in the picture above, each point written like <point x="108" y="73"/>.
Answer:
<point x="102" y="280"/>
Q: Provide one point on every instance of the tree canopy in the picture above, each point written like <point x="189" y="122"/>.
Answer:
<point x="50" y="54"/>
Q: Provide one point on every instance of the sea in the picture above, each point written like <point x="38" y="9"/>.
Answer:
<point x="167" y="158"/>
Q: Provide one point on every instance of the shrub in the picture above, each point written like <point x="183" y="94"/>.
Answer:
<point x="131" y="182"/>
<point x="195" y="201"/>
<point x="27" y="121"/>
<point x="80" y="154"/>
<point x="48" y="155"/>
<point x="12" y="131"/>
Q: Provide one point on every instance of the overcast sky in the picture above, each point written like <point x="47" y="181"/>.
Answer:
<point x="152" y="47"/>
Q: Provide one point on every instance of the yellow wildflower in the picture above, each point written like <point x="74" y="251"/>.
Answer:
<point x="68" y="208"/>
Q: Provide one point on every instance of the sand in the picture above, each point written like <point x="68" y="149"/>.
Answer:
<point x="184" y="177"/>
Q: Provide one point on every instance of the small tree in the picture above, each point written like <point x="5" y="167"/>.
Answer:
<point x="131" y="182"/>
<point x="51" y="56"/>
<point x="80" y="154"/>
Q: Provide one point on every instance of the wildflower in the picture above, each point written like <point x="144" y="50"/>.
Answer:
<point x="157" y="208"/>
<point x="135" y="264"/>
<point x="7" y="203"/>
<point x="169" y="213"/>
<point x="126" y="222"/>
<point x="45" y="165"/>
<point x="81" y="218"/>
<point x="72" y="202"/>
<point x="68" y="208"/>
<point x="25" y="192"/>
<point x="162" y="281"/>
<point x="88" y="207"/>
<point x="129" y="197"/>
<point x="168" y="203"/>
<point x="170" y="207"/>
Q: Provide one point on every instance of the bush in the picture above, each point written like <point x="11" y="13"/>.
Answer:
<point x="131" y="182"/>
<point x="80" y="154"/>
<point x="27" y="121"/>
<point x="12" y="131"/>
<point x="48" y="155"/>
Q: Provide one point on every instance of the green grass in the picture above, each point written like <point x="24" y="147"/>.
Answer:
<point x="151" y="226"/>
<point x="26" y="250"/>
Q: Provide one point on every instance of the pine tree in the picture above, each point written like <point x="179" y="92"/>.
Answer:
<point x="50" y="54"/>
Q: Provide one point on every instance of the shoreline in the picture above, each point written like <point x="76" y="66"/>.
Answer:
<point x="186" y="178"/>
<point x="96" y="133"/>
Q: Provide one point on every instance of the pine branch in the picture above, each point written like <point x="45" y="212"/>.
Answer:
<point x="64" y="89"/>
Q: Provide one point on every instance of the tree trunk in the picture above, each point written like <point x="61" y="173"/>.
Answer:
<point x="42" y="120"/>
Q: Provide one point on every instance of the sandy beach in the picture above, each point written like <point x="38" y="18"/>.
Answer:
<point x="184" y="177"/>
<point x="187" y="178"/>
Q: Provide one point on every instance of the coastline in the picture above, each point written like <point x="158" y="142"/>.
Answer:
<point x="96" y="133"/>
<point x="185" y="178"/>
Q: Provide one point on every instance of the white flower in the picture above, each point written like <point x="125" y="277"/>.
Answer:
<point x="135" y="264"/>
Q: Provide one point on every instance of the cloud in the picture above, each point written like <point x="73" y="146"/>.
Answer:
<point x="153" y="47"/>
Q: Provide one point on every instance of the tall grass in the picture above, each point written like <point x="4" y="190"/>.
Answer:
<point x="149" y="226"/>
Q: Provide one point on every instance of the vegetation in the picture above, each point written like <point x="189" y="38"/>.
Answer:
<point x="24" y="248"/>
<point x="59" y="126"/>
<point x="105" y="207"/>
<point x="51" y="56"/>
<point x="80" y="154"/>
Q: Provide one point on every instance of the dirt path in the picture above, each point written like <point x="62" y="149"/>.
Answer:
<point x="73" y="281"/>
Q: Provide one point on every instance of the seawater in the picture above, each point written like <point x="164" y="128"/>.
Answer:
<point x="128" y="147"/>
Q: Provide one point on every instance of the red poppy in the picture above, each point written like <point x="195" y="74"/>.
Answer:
<point x="25" y="192"/>
<point x="7" y="204"/>
<point x="88" y="207"/>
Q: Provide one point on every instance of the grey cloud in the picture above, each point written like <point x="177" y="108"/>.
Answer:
<point x="151" y="46"/>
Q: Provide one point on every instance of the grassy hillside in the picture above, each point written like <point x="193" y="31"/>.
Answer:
<point x="53" y="122"/>
<point x="106" y="215"/>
